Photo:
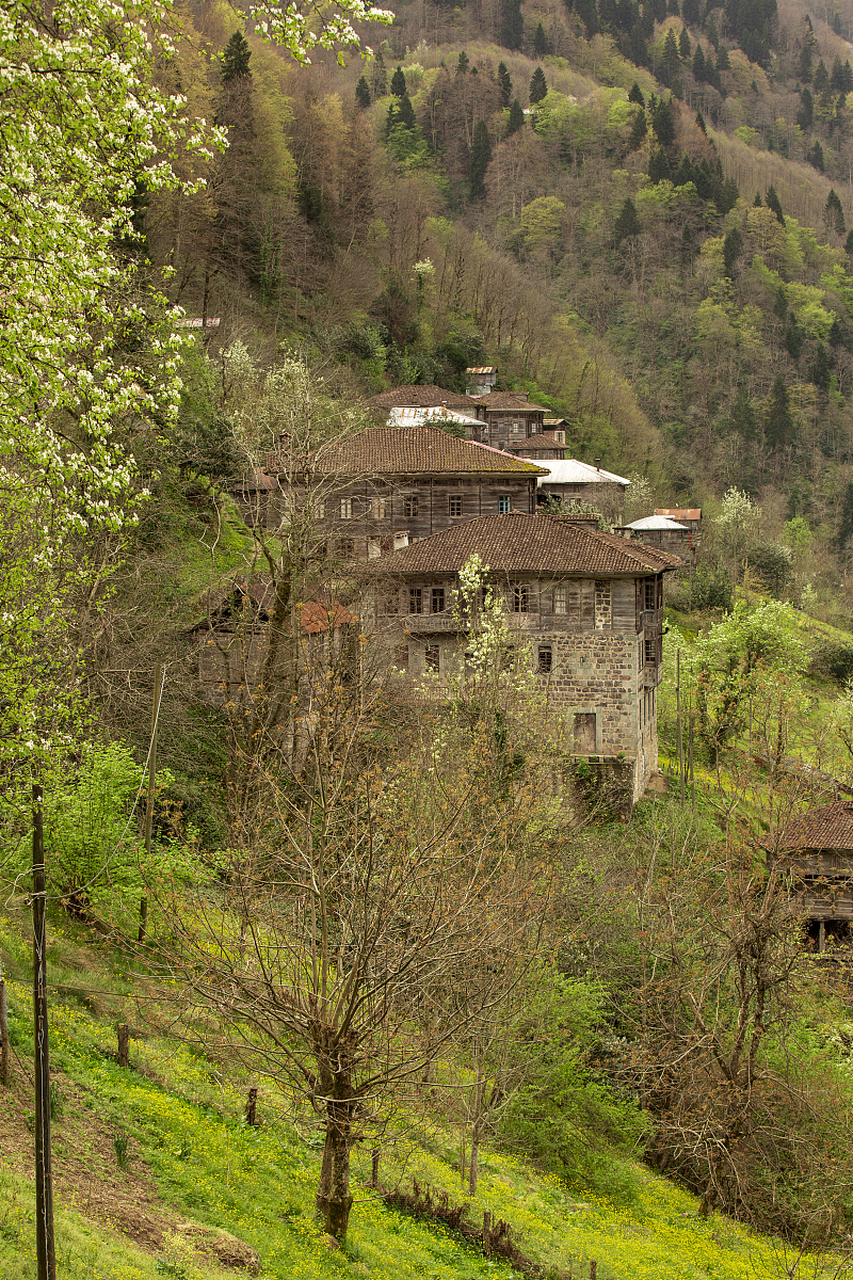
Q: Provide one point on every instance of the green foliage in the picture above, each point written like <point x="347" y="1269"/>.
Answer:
<point x="96" y="859"/>
<point x="708" y="587"/>
<point x="832" y="659"/>
<point x="564" y="1117"/>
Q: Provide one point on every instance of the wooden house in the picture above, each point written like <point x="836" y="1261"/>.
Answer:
<point x="390" y="483"/>
<point x="816" y="851"/>
<point x="586" y="607"/>
<point x="574" y="481"/>
<point x="662" y="532"/>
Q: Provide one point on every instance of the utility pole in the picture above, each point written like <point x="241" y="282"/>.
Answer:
<point x="152" y="779"/>
<point x="45" y="1252"/>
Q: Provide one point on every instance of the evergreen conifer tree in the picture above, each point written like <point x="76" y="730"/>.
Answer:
<point x="699" y="70"/>
<point x="362" y="92"/>
<point x="505" y="82"/>
<point x="516" y="118"/>
<point x="540" y="41"/>
<point x="684" y="49"/>
<point x="659" y="168"/>
<point x="512" y="24"/>
<point x="462" y="63"/>
<point x="627" y="222"/>
<point x="636" y="95"/>
<point x="774" y="204"/>
<point x="732" y="249"/>
<point x="398" y="83"/>
<point x="778" y="422"/>
<point x="538" y="86"/>
<point x="235" y="60"/>
<point x="833" y="214"/>
<point x="378" y="76"/>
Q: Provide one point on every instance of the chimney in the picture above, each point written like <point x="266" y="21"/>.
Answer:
<point x="401" y="539"/>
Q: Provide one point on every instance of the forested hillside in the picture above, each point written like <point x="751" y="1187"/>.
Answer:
<point x="639" y="213"/>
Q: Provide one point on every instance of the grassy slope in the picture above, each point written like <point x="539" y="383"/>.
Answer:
<point x="190" y="1158"/>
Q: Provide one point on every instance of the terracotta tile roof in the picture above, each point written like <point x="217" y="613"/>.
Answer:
<point x="420" y="397"/>
<point x="227" y="602"/>
<point x="828" y="827"/>
<point x="412" y="451"/>
<point x="520" y="543"/>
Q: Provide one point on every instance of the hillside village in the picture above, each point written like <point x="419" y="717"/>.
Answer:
<point x="426" y="696"/>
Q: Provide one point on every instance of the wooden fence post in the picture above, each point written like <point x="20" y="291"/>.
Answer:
<point x="5" y="1056"/>
<point x="593" y="1270"/>
<point x="487" y="1233"/>
<point x="252" y="1106"/>
<point x="123" y="1035"/>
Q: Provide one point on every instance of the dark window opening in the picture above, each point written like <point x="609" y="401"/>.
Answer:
<point x="410" y="507"/>
<point x="455" y="506"/>
<point x="416" y="601"/>
<point x="431" y="656"/>
<point x="545" y="658"/>
<point x="520" y="599"/>
<point x="438" y="600"/>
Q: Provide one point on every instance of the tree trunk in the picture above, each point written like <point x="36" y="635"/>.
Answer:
<point x="333" y="1194"/>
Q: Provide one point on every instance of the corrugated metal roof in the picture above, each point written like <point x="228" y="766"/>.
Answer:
<point x="655" y="522"/>
<point x="570" y="471"/>
<point x="521" y="543"/>
<point x="412" y="416"/>
<point x="412" y="451"/>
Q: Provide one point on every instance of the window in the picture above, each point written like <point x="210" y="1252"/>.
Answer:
<point x="380" y="508"/>
<point x="545" y="659"/>
<point x="346" y="508"/>
<point x="455" y="505"/>
<point x="516" y="427"/>
<point x="346" y="548"/>
<point x="650" y="594"/>
<point x="561" y="599"/>
<point x="504" y="504"/>
<point x="521" y="599"/>
<point x="431" y="657"/>
<point x="410" y="507"/>
<point x="416" y="600"/>
<point x="437" y="600"/>
<point x="650" y="647"/>
<point x="320" y="511"/>
<point x="584" y="733"/>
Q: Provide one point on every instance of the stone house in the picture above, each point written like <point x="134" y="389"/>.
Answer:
<point x="816" y="850"/>
<point x="586" y="608"/>
<point x="368" y="490"/>
<point x="234" y="632"/>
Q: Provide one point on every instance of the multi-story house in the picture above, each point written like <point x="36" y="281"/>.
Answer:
<point x="585" y="607"/>
<point x="815" y="852"/>
<point x="369" y="489"/>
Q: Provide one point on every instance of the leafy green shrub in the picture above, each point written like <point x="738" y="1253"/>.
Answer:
<point x="564" y="1117"/>
<point x="709" y="587"/>
<point x="832" y="660"/>
<point x="92" y="822"/>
